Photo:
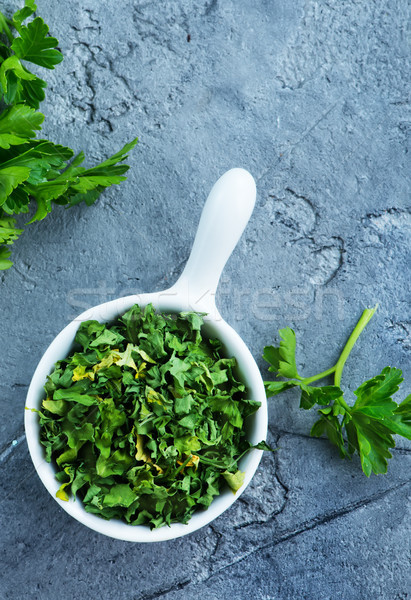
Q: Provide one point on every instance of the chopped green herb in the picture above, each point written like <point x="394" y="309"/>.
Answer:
<point x="145" y="420"/>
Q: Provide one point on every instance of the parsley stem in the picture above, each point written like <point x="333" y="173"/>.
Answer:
<point x="362" y="323"/>
<point x="5" y="23"/>
<point x="181" y="467"/>
<point x="211" y="463"/>
<point x="308" y="380"/>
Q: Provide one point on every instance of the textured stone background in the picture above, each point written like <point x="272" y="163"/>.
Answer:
<point x="311" y="97"/>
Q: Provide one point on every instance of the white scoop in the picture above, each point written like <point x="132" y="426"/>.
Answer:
<point x="225" y="215"/>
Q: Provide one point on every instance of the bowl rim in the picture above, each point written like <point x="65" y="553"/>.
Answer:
<point x="60" y="348"/>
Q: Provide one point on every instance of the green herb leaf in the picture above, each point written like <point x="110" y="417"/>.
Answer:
<point x="5" y="263"/>
<point x="400" y="420"/>
<point x="310" y="396"/>
<point x="34" y="45"/>
<point x="12" y="66"/>
<point x="10" y="178"/>
<point x="120" y="495"/>
<point x="25" y="12"/>
<point x="17" y="124"/>
<point x="234" y="480"/>
<point x="263" y="446"/>
<point x="374" y="396"/>
<point x="276" y="387"/>
<point x="272" y="356"/>
<point x="282" y="359"/>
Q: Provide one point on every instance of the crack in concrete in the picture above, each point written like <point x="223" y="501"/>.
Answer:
<point x="340" y="247"/>
<point x="85" y="78"/>
<point x="219" y="537"/>
<point x="309" y="525"/>
<point x="310" y="204"/>
<point x="404" y="451"/>
<point x="281" y="432"/>
<point x="294" y="215"/>
<point x="173" y="588"/>
<point x="283" y="152"/>
<point x="283" y="486"/>
<point x="389" y="211"/>
<point x="401" y="331"/>
<point x="383" y="221"/>
<point x="287" y="535"/>
<point x="280" y="480"/>
<point x="154" y="30"/>
<point x="25" y="277"/>
<point x="300" y="216"/>
<point x="11" y="446"/>
<point x="311" y="128"/>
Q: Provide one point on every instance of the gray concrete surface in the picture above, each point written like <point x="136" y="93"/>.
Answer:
<point x="313" y="98"/>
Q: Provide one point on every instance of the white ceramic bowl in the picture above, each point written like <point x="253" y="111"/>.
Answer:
<point x="226" y="213"/>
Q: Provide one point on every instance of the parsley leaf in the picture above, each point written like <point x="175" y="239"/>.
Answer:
<point x="10" y="178"/>
<point x="282" y="359"/>
<point x="400" y="420"/>
<point x="17" y="124"/>
<point x="25" y="12"/>
<point x="366" y="427"/>
<point x="34" y="45"/>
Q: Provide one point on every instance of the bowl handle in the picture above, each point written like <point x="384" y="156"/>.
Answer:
<point x="226" y="213"/>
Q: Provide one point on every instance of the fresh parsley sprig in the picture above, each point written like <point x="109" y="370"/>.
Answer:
<point x="37" y="170"/>
<point x="369" y="424"/>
